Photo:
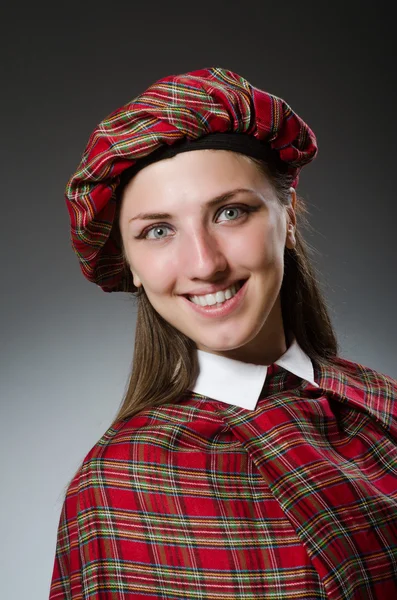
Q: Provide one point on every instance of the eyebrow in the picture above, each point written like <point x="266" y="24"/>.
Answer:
<point x="217" y="200"/>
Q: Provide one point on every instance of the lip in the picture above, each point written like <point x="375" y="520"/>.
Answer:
<point x="211" y="289"/>
<point x="221" y="311"/>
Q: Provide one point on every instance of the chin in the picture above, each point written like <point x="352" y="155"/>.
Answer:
<point x="215" y="345"/>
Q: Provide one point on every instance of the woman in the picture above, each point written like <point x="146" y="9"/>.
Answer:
<point x="248" y="460"/>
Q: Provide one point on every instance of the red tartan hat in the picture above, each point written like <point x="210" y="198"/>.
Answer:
<point x="175" y="108"/>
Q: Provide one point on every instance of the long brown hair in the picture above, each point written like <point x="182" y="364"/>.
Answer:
<point x="165" y="363"/>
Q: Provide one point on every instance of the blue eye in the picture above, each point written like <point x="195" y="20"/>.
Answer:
<point x="230" y="209"/>
<point x="155" y="230"/>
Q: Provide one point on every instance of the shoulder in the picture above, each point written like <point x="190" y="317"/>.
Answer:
<point x="148" y="440"/>
<point x="366" y="376"/>
<point x="365" y="388"/>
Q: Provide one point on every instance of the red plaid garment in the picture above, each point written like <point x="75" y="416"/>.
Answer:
<point x="203" y="500"/>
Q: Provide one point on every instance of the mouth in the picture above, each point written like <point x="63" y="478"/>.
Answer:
<point x="213" y="299"/>
<point x="219" y="309"/>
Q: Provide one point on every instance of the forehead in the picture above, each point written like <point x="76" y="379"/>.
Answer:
<point x="196" y="177"/>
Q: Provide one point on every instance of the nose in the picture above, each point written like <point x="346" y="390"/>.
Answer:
<point x="204" y="257"/>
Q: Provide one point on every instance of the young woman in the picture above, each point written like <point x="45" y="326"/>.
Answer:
<point x="248" y="460"/>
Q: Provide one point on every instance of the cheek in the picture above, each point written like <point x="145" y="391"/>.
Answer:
<point x="157" y="274"/>
<point x="263" y="248"/>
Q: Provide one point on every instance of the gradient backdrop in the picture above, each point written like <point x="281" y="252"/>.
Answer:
<point x="66" y="346"/>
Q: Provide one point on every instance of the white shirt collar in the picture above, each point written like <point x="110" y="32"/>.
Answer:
<point x="238" y="383"/>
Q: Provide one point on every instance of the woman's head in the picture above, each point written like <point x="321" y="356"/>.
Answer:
<point x="254" y="141"/>
<point x="204" y="221"/>
<point x="191" y="107"/>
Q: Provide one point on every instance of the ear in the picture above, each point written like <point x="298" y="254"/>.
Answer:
<point x="136" y="280"/>
<point x="290" y="240"/>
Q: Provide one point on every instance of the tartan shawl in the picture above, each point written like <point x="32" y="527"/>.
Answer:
<point x="175" y="108"/>
<point x="296" y="499"/>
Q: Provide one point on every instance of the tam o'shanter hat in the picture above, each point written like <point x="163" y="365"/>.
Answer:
<point x="187" y="107"/>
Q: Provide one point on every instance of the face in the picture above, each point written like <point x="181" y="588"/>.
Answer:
<point x="202" y="222"/>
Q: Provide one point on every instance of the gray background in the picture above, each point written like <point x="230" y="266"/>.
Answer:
<point x="66" y="346"/>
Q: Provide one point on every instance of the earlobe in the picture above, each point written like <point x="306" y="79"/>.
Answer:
<point x="136" y="280"/>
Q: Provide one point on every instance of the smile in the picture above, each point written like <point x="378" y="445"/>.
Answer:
<point x="224" y="307"/>
<point x="218" y="297"/>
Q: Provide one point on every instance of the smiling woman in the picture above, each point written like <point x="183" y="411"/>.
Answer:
<point x="202" y="253"/>
<point x="247" y="460"/>
<point x="196" y="254"/>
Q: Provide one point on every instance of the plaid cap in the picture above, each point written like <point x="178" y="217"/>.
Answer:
<point x="177" y="107"/>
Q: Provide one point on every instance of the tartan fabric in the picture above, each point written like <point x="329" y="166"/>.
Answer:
<point x="202" y="500"/>
<point x="177" y="107"/>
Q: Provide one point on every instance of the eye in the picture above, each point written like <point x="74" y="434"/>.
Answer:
<point x="157" y="231"/>
<point x="232" y="212"/>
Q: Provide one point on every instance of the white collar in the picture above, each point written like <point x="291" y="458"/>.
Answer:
<point x="239" y="383"/>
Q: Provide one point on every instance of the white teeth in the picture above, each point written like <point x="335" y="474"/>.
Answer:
<point x="210" y="298"/>
<point x="217" y="298"/>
